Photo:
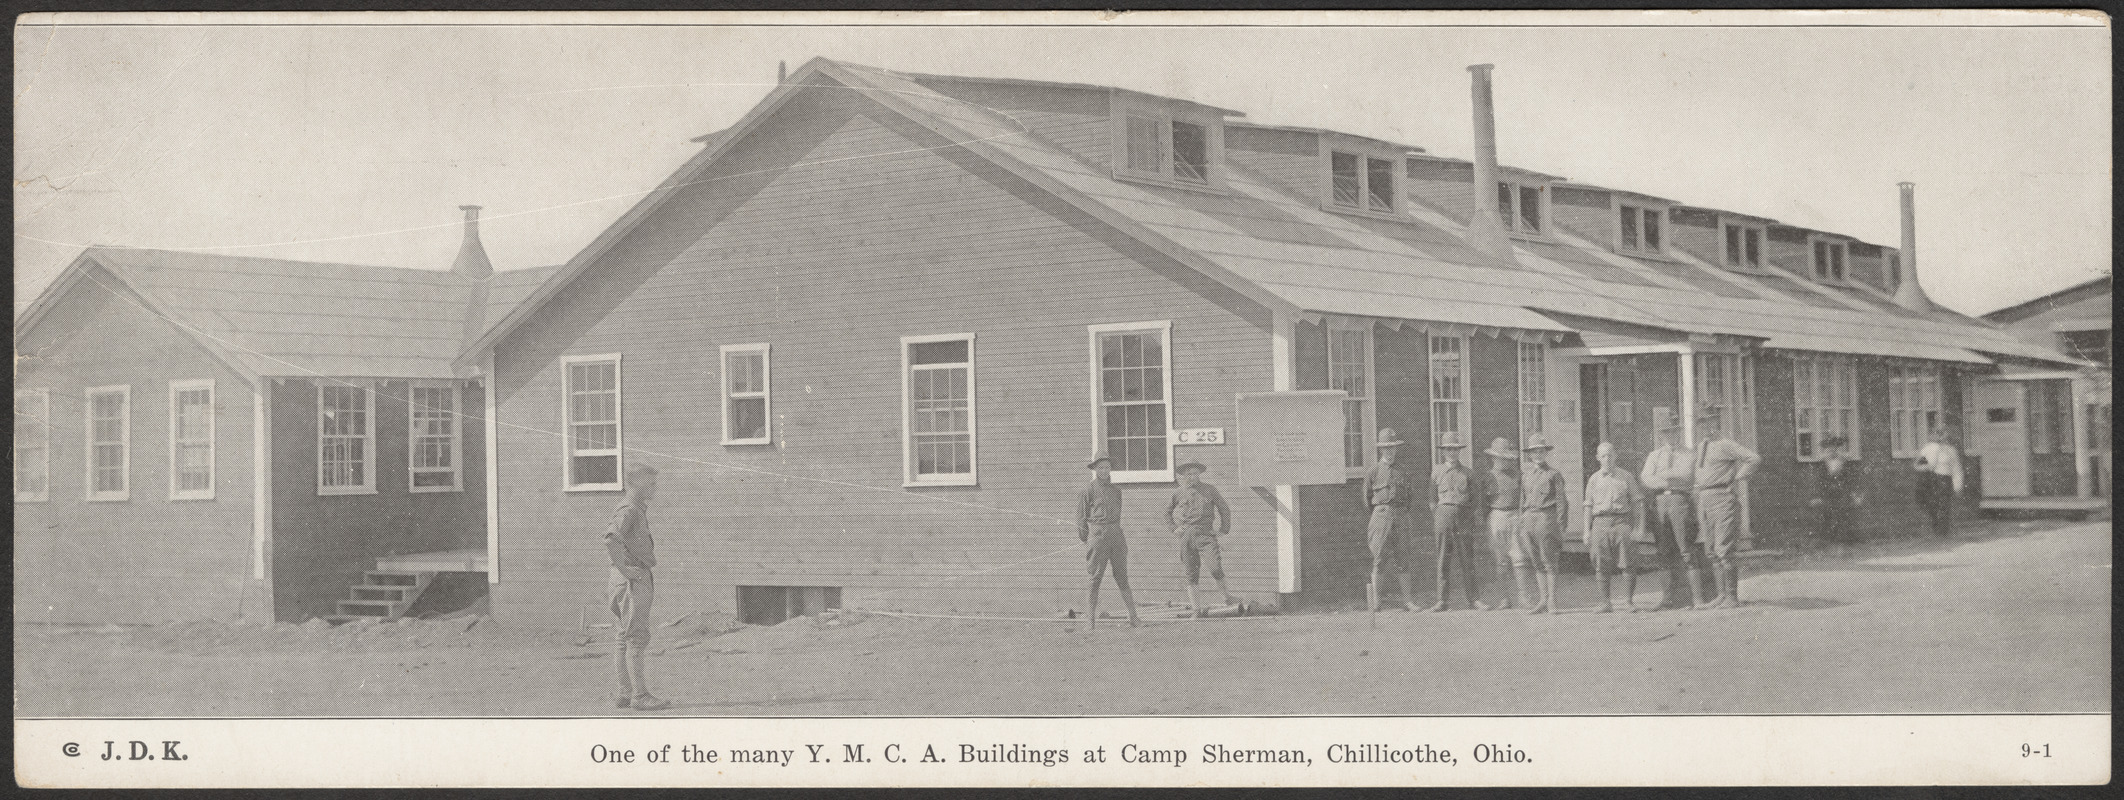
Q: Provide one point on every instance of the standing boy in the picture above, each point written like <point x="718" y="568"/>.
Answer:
<point x="1939" y="469"/>
<point x="1544" y="511"/>
<point x="1452" y="489"/>
<point x="1099" y="528"/>
<point x="633" y="554"/>
<point x="1669" y="475"/>
<point x="1615" y="510"/>
<point x="1198" y="515"/>
<point x="1388" y="490"/>
<point x="1500" y="494"/>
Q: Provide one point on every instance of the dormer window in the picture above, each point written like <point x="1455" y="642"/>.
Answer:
<point x="1828" y="260"/>
<point x="1360" y="181"/>
<point x="1641" y="229"/>
<point x="1157" y="145"/>
<point x="1520" y="206"/>
<point x="1743" y="246"/>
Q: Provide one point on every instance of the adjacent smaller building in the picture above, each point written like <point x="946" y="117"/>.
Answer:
<point x="2042" y="432"/>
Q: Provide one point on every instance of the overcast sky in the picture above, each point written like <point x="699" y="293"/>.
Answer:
<point x="357" y="144"/>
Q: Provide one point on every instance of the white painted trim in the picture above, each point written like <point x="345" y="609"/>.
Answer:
<point x="1396" y="157"/>
<point x="212" y="440"/>
<point x="619" y="428"/>
<point x="44" y="420"/>
<point x="1098" y="428"/>
<point x="1119" y="107"/>
<point x="1819" y="273"/>
<point x="766" y="395"/>
<point x="1615" y="208"/>
<point x="368" y="448"/>
<point x="908" y="478"/>
<point x="1465" y="415"/>
<point x="492" y="473"/>
<point x="457" y="438"/>
<point x="1289" y="556"/>
<point x="1762" y="247"/>
<point x="261" y="475"/>
<point x="1686" y="374"/>
<point x="125" y="444"/>
<point x="1371" y="381"/>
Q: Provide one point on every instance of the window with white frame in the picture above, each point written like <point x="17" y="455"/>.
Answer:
<point x="1743" y="245"/>
<point x="1913" y="407"/>
<point x="192" y="440"/>
<point x="1449" y="390"/>
<point x="1133" y="396"/>
<point x="1350" y="370"/>
<point x="1520" y="206"/>
<point x="592" y="407"/>
<point x="435" y="457"/>
<point x="1361" y="181"/>
<point x="33" y="445"/>
<point x="1640" y="229"/>
<point x="939" y="398"/>
<point x="110" y="442"/>
<point x="346" y="439"/>
<point x="1159" y="145"/>
<point x="1533" y="388"/>
<point x="1726" y="382"/>
<point x="1828" y="260"/>
<point x="1825" y="404"/>
<point x="747" y="407"/>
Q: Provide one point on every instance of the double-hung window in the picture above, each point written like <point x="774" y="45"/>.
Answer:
<point x="1520" y="207"/>
<point x="1533" y="388"/>
<point x="1160" y="146"/>
<point x="1828" y="260"/>
<point x="1350" y="369"/>
<point x="1913" y="408"/>
<point x="591" y="406"/>
<point x="747" y="406"/>
<point x="1825" y="404"/>
<point x="1743" y="245"/>
<point x="1132" y="398"/>
<point x="1360" y="181"/>
<point x="346" y="439"/>
<point x="110" y="442"/>
<point x="1726" y="382"/>
<point x="1640" y="229"/>
<point x="1449" y="391"/>
<point x="192" y="440"/>
<point x="435" y="459"/>
<point x="939" y="396"/>
<point x="33" y="445"/>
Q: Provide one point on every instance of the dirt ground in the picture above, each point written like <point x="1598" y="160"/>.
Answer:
<point x="2009" y="617"/>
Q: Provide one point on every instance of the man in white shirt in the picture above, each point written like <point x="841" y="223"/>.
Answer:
<point x="1939" y="481"/>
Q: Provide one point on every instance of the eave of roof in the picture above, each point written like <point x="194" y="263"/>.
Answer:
<point x="2029" y="308"/>
<point x="1407" y="149"/>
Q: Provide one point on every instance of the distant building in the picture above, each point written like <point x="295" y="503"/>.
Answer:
<point x="216" y="436"/>
<point x="2043" y="432"/>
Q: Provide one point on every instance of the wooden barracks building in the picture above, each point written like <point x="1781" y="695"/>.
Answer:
<point x="872" y="332"/>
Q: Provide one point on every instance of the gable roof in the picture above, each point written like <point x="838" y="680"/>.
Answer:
<point x="2070" y="294"/>
<point x="1289" y="254"/>
<point x="272" y="317"/>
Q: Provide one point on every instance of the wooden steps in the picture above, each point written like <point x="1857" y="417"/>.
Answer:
<point x="382" y="595"/>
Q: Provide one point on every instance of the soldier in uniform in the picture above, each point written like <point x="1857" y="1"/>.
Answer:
<point x="1198" y="515"/>
<point x="1939" y="482"/>
<point x="1615" y="511"/>
<point x="1452" y="492"/>
<point x="1544" y="511"/>
<point x="1669" y="475"/>
<point x="1500" y="495"/>
<point x="1721" y="463"/>
<point x="1099" y="528"/>
<point x="1388" y="491"/>
<point x="633" y="554"/>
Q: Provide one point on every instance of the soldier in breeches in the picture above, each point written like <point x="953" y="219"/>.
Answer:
<point x="1721" y="463"/>
<point x="633" y="554"/>
<point x="1500" y="495"/>
<point x="1198" y="515"/>
<point x="1388" y="491"/>
<point x="1615" y="511"/>
<point x="1452" y="494"/>
<point x="1099" y="528"/>
<point x="1669" y="476"/>
<point x="1544" y="511"/>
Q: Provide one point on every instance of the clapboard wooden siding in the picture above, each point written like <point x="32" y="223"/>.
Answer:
<point x="1446" y="187"/>
<point x="1289" y="159"/>
<point x="888" y="231"/>
<point x="149" y="558"/>
<point x="321" y="544"/>
<point x="1075" y="119"/>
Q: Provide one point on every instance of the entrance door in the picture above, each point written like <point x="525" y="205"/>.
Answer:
<point x="1593" y="416"/>
<point x="2001" y="437"/>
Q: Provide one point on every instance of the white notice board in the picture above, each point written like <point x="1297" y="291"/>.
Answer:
<point x="1291" y="438"/>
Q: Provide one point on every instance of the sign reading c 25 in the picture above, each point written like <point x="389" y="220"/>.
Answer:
<point x="1198" y="436"/>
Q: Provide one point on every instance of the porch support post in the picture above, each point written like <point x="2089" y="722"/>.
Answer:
<point x="261" y="478"/>
<point x="1283" y="358"/>
<point x="1685" y="360"/>
<point x="2083" y="474"/>
<point x="493" y="477"/>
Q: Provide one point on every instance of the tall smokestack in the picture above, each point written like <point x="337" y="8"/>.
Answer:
<point x="471" y="256"/>
<point x="1486" y="231"/>
<point x="1909" y="294"/>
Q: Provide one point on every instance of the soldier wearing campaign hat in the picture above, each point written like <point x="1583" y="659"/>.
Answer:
<point x="1544" y="512"/>
<point x="1389" y="489"/>
<point x="1452" y="497"/>
<point x="1669" y="476"/>
<point x="1720" y="464"/>
<point x="1099" y="528"/>
<point x="1198" y="515"/>
<point x="1500" y="495"/>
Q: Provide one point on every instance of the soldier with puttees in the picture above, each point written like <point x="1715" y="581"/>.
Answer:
<point x="1389" y="489"/>
<point x="1615" y="511"/>
<point x="1453" y="493"/>
<point x="1669" y="475"/>
<point x="1721" y="463"/>
<point x="1099" y="528"/>
<point x="1198" y="515"/>
<point x="1544" y="511"/>
<point x="633" y="589"/>
<point x="1500" y="495"/>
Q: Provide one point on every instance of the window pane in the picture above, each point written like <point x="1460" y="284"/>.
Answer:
<point x="953" y="352"/>
<point x="1379" y="183"/>
<point x="1629" y="227"/>
<point x="1821" y="259"/>
<point x="748" y="418"/>
<point x="1652" y="230"/>
<point x="1504" y="204"/>
<point x="1190" y="152"/>
<point x="1836" y="262"/>
<point x="595" y="469"/>
<point x="1145" y="152"/>
<point x="1530" y="208"/>
<point x="1755" y="246"/>
<point x="1342" y="172"/>
<point x="1733" y="245"/>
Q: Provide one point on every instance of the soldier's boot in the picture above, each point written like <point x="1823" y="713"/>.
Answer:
<point x="1630" y="592"/>
<point x="1731" y="597"/>
<point x="626" y="683"/>
<point x="1546" y="586"/>
<point x="1696" y="590"/>
<point x="1521" y="577"/>
<point x="1725" y="586"/>
<point x="1191" y="604"/>
<point x="1607" y="596"/>
<point x="1229" y="598"/>
<point x="637" y="658"/>
<point x="1408" y="591"/>
<point x="1504" y="588"/>
<point x="1670" y="598"/>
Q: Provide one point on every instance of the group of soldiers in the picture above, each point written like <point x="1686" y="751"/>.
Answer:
<point x="1694" y="519"/>
<point x="1693" y="516"/>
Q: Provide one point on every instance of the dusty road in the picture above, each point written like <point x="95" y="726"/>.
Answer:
<point x="2011" y="618"/>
